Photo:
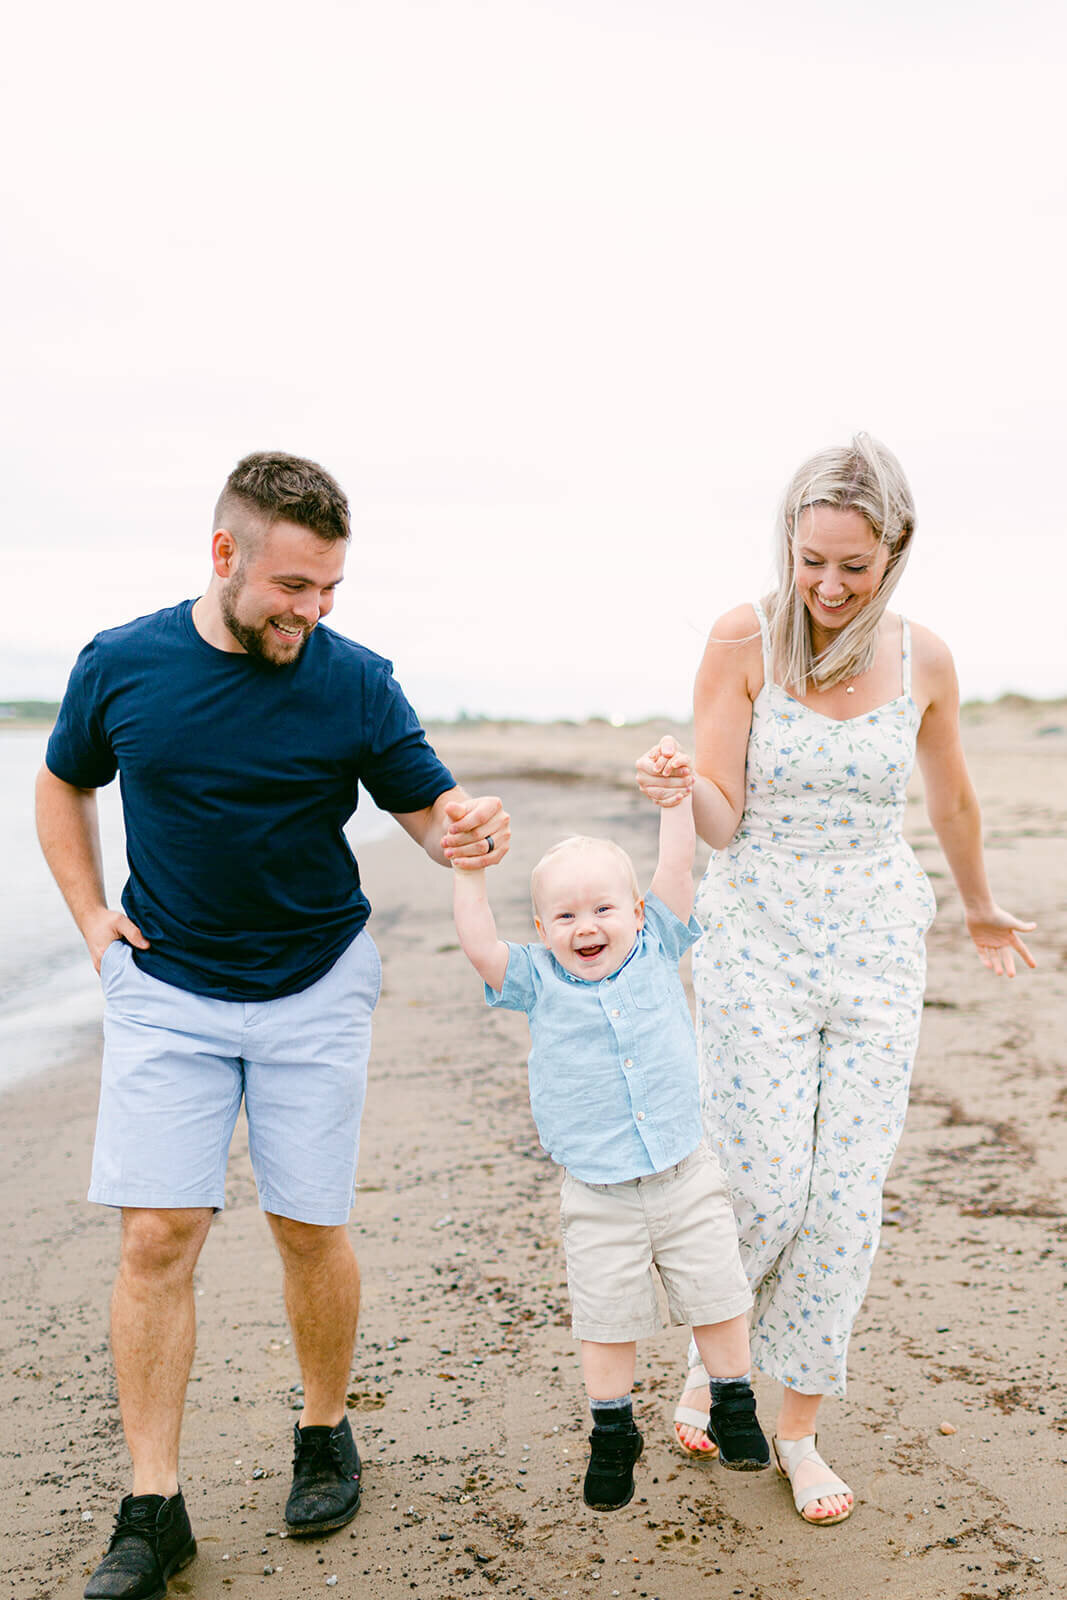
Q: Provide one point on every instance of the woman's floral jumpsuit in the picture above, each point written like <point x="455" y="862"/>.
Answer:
<point x="809" y="981"/>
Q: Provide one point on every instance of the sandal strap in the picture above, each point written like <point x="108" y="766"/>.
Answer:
<point x="793" y="1453"/>
<point x="691" y="1417"/>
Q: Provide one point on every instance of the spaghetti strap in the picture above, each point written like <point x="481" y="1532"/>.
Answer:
<point x="905" y="657"/>
<point x="765" y="635"/>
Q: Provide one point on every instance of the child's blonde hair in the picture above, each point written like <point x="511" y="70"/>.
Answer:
<point x="862" y="476"/>
<point x="578" y="843"/>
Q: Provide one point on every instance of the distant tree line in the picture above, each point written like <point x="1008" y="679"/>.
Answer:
<point x="28" y="710"/>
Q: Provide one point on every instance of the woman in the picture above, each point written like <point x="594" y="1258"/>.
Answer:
<point x="809" y="712"/>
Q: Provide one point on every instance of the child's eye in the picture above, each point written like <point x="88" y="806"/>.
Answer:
<point x="601" y="909"/>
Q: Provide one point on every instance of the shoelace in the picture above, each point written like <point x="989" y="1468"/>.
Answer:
<point x="329" y="1447"/>
<point x="144" y="1527"/>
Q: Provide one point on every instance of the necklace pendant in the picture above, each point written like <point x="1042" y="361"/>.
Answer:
<point x="850" y="689"/>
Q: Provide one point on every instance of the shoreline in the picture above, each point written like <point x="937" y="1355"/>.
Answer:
<point x="466" y="1397"/>
<point x="1009" y="701"/>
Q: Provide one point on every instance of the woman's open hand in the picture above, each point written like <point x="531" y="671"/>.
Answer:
<point x="996" y="938"/>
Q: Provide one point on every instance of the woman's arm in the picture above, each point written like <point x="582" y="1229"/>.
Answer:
<point x="728" y="680"/>
<point x="953" y="808"/>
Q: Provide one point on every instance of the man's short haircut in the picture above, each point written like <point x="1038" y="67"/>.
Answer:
<point x="580" y="844"/>
<point x="270" y="487"/>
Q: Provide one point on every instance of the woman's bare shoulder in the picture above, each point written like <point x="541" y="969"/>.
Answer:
<point x="739" y="626"/>
<point x="733" y="657"/>
<point x="929" y="651"/>
<point x="933" y="669"/>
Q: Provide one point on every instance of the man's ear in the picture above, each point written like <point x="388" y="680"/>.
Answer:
<point x="225" y="555"/>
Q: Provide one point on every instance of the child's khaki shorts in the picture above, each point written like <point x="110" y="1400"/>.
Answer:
<point x="680" y="1222"/>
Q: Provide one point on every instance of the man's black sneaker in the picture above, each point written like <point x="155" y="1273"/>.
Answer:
<point x="609" y="1479"/>
<point x="733" y="1426"/>
<point x="326" y="1487"/>
<point x="152" y="1540"/>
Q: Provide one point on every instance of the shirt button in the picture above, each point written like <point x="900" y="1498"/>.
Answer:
<point x="627" y="1062"/>
<point x="615" y="1013"/>
<point x="640" y="1116"/>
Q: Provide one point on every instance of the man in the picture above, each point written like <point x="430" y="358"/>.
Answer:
<point x="239" y="964"/>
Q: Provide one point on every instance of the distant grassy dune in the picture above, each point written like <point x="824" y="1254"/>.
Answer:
<point x="17" y="713"/>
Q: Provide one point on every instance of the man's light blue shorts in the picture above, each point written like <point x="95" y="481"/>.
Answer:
<point x="176" y="1066"/>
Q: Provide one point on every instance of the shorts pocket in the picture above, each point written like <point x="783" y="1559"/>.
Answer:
<point x="108" y="962"/>
<point x="376" y="967"/>
<point x="564" y="1192"/>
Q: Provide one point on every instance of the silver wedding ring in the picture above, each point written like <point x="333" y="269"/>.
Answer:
<point x="489" y="844"/>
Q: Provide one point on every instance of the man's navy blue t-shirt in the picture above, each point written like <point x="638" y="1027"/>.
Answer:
<point x="237" y="780"/>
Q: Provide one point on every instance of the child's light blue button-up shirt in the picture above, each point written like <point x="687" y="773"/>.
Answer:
<point x="614" y="1080"/>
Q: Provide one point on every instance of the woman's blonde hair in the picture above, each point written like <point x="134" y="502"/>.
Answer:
<point x="862" y="476"/>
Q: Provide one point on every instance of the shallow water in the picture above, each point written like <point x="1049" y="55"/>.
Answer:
<point x="50" y="1004"/>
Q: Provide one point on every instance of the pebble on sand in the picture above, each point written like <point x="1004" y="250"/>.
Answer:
<point x="948" y="1427"/>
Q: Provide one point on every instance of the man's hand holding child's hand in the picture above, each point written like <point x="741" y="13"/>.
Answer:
<point x="479" y="835"/>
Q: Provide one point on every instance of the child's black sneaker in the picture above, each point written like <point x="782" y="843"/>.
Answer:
<point x="609" y="1479"/>
<point x="733" y="1426"/>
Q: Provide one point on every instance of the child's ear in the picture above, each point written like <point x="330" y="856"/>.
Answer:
<point x="539" y="925"/>
<point x="639" y="913"/>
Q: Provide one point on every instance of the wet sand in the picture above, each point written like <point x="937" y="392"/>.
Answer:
<point x="465" y="1393"/>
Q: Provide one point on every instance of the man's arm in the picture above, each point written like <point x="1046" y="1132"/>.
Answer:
<point x="69" y="831"/>
<point x="673" y="880"/>
<point x="454" y="830"/>
<point x="476" y="927"/>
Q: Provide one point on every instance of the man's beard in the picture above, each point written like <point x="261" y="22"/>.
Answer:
<point x="256" y="642"/>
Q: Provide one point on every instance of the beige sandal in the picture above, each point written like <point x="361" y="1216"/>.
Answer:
<point x="793" y="1453"/>
<point x="690" y="1417"/>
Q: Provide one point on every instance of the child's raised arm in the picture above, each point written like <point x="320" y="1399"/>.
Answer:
<point x="476" y="926"/>
<point x="673" y="879"/>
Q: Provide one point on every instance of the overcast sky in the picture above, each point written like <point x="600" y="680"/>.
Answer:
<point x="562" y="292"/>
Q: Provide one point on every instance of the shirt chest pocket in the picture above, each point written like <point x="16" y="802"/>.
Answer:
<point x="646" y="984"/>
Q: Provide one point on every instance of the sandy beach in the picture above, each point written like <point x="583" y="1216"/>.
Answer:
<point x="466" y="1397"/>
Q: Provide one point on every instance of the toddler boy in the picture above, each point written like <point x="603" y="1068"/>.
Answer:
<point x="614" y="1089"/>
